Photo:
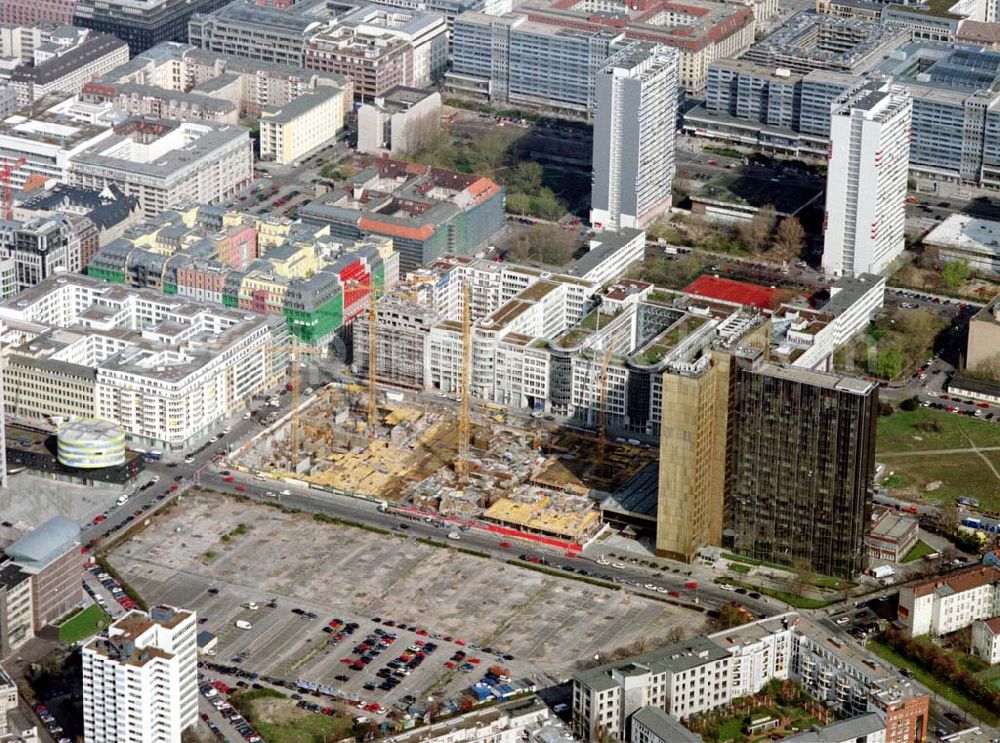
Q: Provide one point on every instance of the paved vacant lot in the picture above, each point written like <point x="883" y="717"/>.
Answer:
<point x="546" y="623"/>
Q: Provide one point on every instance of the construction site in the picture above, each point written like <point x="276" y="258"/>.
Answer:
<point x="457" y="457"/>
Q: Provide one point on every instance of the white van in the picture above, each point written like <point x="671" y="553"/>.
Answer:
<point x="122" y="499"/>
<point x="243" y="624"/>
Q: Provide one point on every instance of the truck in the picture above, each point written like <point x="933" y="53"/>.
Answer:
<point x="243" y="624"/>
<point x="383" y="507"/>
<point x="972" y="523"/>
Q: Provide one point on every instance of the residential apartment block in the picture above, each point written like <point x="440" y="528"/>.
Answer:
<point x="257" y="263"/>
<point x="135" y="99"/>
<point x="140" y="678"/>
<point x="812" y="41"/>
<point x="168" y="370"/>
<point x="953" y="87"/>
<point x="709" y="672"/>
<point x="986" y="640"/>
<point x="633" y="162"/>
<point x="942" y="605"/>
<point x="865" y="221"/>
<point x="772" y="109"/>
<point x="292" y="131"/>
<point x="164" y="163"/>
<point x="509" y="59"/>
<point x="183" y="77"/>
<point x="65" y="61"/>
<point x="547" y="55"/>
<point x="427" y="212"/>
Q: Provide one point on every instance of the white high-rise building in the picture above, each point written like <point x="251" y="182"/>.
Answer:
<point x="866" y="179"/>
<point x="140" y="681"/>
<point x="634" y="125"/>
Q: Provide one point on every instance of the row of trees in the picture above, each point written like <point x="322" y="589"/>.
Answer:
<point x="764" y="235"/>
<point x="782" y="240"/>
<point x="943" y="666"/>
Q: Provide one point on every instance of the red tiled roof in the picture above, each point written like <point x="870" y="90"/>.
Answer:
<point x="964" y="580"/>
<point x="396" y="230"/>
<point x="729" y="290"/>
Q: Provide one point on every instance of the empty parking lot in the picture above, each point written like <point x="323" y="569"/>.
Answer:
<point x="546" y="623"/>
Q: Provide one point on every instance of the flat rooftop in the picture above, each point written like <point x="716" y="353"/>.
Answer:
<point x="967" y="233"/>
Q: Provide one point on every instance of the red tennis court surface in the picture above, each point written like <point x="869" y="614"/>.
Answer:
<point x="729" y="290"/>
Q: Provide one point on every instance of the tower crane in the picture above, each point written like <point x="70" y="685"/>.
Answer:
<point x="295" y="348"/>
<point x="372" y="361"/>
<point x="462" y="464"/>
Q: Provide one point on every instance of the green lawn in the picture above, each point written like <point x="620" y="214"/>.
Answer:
<point x="730" y="729"/>
<point x="86" y="623"/>
<point x="924" y="429"/>
<point x="933" y="683"/>
<point x="920" y="550"/>
<point x="753" y="561"/>
<point x="799" y="602"/>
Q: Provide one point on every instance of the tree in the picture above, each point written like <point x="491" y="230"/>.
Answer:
<point x="756" y="232"/>
<point x="909" y="404"/>
<point x="955" y="273"/>
<point x="730" y="616"/>
<point x="948" y="517"/>
<point x="544" y="243"/>
<point x="804" y="575"/>
<point x="790" y="238"/>
<point x="888" y="363"/>
<point x="339" y="172"/>
<point x="518" y="203"/>
<point x="526" y="178"/>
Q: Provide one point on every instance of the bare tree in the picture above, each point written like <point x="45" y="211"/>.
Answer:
<point x="756" y="232"/>
<point x="790" y="238"/>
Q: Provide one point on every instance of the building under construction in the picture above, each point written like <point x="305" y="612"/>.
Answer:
<point x="571" y="346"/>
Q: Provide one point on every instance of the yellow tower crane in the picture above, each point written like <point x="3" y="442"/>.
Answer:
<point x="372" y="359"/>
<point x="462" y="464"/>
<point x="295" y="349"/>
